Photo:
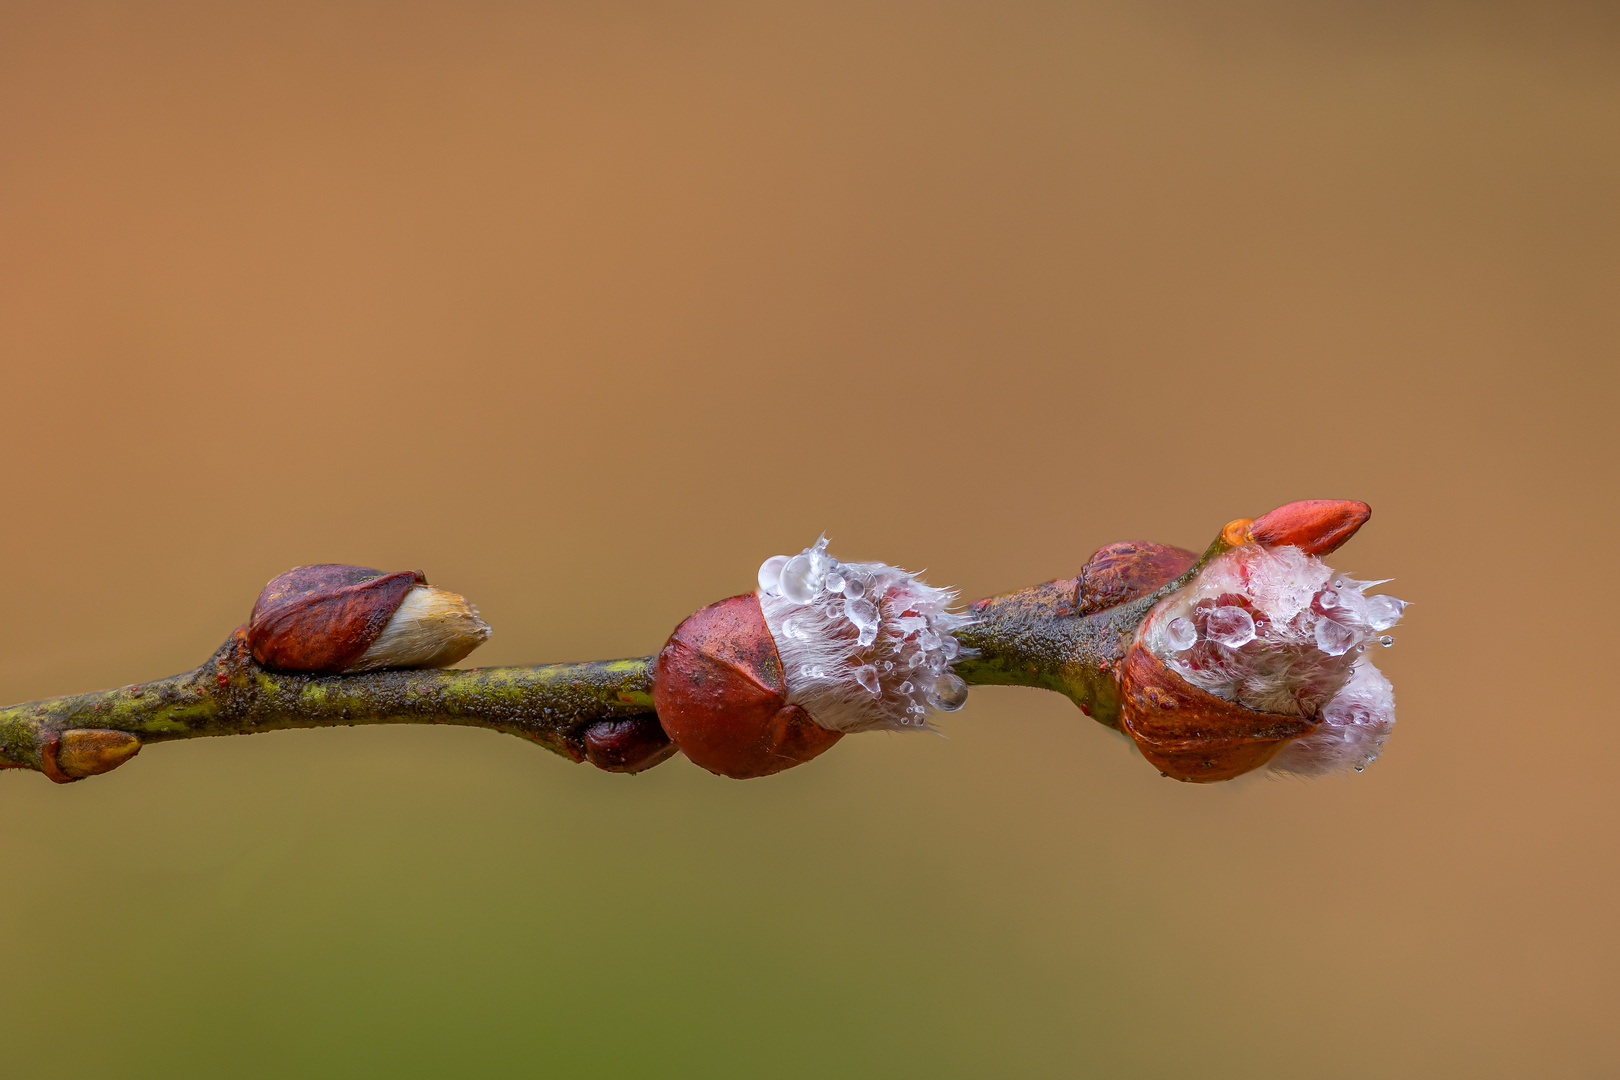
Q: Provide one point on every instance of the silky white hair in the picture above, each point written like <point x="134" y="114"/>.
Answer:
<point x="432" y="628"/>
<point x="865" y="646"/>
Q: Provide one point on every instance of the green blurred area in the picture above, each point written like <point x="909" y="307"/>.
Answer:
<point x="587" y="309"/>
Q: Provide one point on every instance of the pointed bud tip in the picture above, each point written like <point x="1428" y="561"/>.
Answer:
<point x="1315" y="526"/>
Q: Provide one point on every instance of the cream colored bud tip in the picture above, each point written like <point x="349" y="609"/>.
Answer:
<point x="433" y="628"/>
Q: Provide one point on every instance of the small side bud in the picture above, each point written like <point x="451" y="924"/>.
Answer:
<point x="90" y="752"/>
<point x="632" y="745"/>
<point x="1126" y="570"/>
<point x="331" y="618"/>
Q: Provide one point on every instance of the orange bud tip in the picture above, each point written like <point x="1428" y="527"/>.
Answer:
<point x="1315" y="526"/>
<point x="1236" y="533"/>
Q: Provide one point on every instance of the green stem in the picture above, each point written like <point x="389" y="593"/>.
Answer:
<point x="550" y="704"/>
<point x="1033" y="637"/>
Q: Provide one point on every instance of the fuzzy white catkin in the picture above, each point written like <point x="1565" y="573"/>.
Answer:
<point x="1280" y="631"/>
<point x="431" y="628"/>
<point x="864" y="646"/>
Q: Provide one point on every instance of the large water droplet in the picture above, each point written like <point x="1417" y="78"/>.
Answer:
<point x="863" y="613"/>
<point x="770" y="573"/>
<point x="1231" y="626"/>
<point x="1334" y="638"/>
<point x="950" y="692"/>
<point x="1328" y="600"/>
<point x="1384" y="611"/>
<point x="854" y="586"/>
<point x="1386" y="641"/>
<point x="834" y="581"/>
<point x="795" y="581"/>
<point x="867" y="676"/>
<point x="1180" y="634"/>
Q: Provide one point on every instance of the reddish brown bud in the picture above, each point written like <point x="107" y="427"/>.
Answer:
<point x="627" y="746"/>
<point x="1126" y="570"/>
<point x="331" y="618"/>
<point x="1191" y="734"/>
<point x="721" y="697"/>
<point x="1315" y="526"/>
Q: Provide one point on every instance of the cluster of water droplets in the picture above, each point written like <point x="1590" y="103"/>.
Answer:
<point x="863" y="645"/>
<point x="1280" y="631"/>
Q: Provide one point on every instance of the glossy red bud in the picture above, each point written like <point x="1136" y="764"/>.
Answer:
<point x="1126" y="570"/>
<point x="627" y="746"/>
<point x="322" y="618"/>
<point x="1315" y="526"/>
<point x="1191" y="734"/>
<point x="721" y="696"/>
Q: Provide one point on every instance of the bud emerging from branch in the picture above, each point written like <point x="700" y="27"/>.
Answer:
<point x="1260" y="659"/>
<point x="331" y="618"/>
<point x="762" y="682"/>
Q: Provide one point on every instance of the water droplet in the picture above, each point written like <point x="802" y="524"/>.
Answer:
<point x="1328" y="600"/>
<point x="863" y="613"/>
<point x="1233" y="627"/>
<point x="905" y="688"/>
<point x="916" y="660"/>
<point x="770" y="573"/>
<point x="854" y="586"/>
<point x="1334" y="638"/>
<point x="1360" y="768"/>
<point x="834" y="581"/>
<point x="950" y="647"/>
<point x="950" y="693"/>
<point x="867" y="676"/>
<point x="1180" y="634"/>
<point x="1386" y="641"/>
<point x="795" y="580"/>
<point x="867" y="635"/>
<point x="1384" y="611"/>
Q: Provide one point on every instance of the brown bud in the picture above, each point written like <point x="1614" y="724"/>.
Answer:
<point x="1315" y="526"/>
<point x="721" y="697"/>
<point x="331" y="618"/>
<point x="631" y="745"/>
<point x="1191" y="734"/>
<point x="66" y="756"/>
<point x="1126" y="570"/>
<point x="90" y="752"/>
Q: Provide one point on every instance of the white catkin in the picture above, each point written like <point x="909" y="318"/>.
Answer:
<point x="432" y="628"/>
<point x="864" y="646"/>
<point x="1280" y="631"/>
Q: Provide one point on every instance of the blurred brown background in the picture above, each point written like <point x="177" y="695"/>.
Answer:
<point x="584" y="309"/>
